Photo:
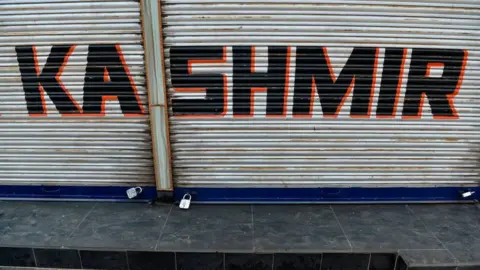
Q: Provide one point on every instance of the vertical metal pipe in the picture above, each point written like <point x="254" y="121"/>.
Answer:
<point x="153" y="42"/>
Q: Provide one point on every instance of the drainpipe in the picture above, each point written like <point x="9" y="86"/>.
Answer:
<point x="154" y="62"/>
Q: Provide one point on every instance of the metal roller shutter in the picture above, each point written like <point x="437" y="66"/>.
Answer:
<point x="417" y="126"/>
<point x="73" y="102"/>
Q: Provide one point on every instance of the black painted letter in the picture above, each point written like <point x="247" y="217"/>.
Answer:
<point x="107" y="77"/>
<point x="246" y="80"/>
<point x="214" y="104"/>
<point x="441" y="90"/>
<point x="34" y="80"/>
<point x="392" y="74"/>
<point x="313" y="70"/>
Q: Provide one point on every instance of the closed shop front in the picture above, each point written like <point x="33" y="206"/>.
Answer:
<point x="73" y="102"/>
<point x="323" y="100"/>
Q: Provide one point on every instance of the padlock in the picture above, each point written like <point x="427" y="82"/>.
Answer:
<point x="133" y="192"/>
<point x="468" y="194"/>
<point x="185" y="202"/>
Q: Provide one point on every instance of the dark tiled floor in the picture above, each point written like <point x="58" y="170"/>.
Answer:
<point x="123" y="225"/>
<point x="382" y="261"/>
<point x="456" y="226"/>
<point x="384" y="228"/>
<point x="248" y="261"/>
<point x="41" y="224"/>
<point x="287" y="261"/>
<point x="208" y="228"/>
<point x="345" y="261"/>
<point x="423" y="234"/>
<point x="213" y="261"/>
<point x="427" y="257"/>
<point x="104" y="260"/>
<point x="17" y="257"/>
<point x="60" y="258"/>
<point x="307" y="228"/>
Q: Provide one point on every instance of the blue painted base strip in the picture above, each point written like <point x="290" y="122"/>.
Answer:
<point x="355" y="194"/>
<point x="115" y="193"/>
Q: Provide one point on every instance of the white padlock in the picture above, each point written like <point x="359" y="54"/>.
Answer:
<point x="185" y="202"/>
<point x="133" y="192"/>
<point x="468" y="194"/>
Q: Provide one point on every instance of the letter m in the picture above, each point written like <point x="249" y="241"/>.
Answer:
<point x="315" y="72"/>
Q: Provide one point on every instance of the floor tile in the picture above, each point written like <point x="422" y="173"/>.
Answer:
<point x="145" y="260"/>
<point x="397" y="214"/>
<point x="208" y="228"/>
<point x="388" y="239"/>
<point x="248" y="261"/>
<point x="386" y="228"/>
<point x="307" y="215"/>
<point x="439" y="213"/>
<point x="382" y="261"/>
<point x="44" y="224"/>
<point x="291" y="261"/>
<point x="297" y="228"/>
<point x="476" y="267"/>
<point x="345" y="261"/>
<point x="401" y="264"/>
<point x="58" y="258"/>
<point x="426" y="257"/>
<point x="17" y="257"/>
<point x="7" y="214"/>
<point x="22" y="268"/>
<point x="456" y="226"/>
<point x="104" y="260"/>
<point x="466" y="250"/>
<point x="121" y="226"/>
<point x="433" y="268"/>
<point x="210" y="261"/>
<point x="448" y="220"/>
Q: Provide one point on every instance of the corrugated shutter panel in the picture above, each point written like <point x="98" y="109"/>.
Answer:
<point x="316" y="150"/>
<point x="109" y="149"/>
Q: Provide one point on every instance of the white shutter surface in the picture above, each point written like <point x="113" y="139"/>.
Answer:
<point x="110" y="150"/>
<point x="319" y="151"/>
